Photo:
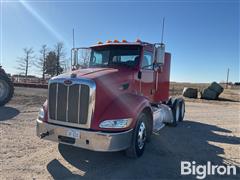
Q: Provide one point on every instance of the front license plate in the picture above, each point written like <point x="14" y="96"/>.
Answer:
<point x="73" y="133"/>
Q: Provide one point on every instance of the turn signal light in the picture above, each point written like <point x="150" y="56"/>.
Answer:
<point x="116" y="41"/>
<point x="138" y="40"/>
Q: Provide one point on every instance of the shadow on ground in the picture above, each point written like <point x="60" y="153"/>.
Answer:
<point x="162" y="157"/>
<point x="227" y="99"/>
<point x="7" y="113"/>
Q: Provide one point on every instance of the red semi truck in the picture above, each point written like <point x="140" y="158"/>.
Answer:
<point x="115" y="97"/>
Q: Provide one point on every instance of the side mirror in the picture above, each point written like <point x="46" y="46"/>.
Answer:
<point x="160" y="53"/>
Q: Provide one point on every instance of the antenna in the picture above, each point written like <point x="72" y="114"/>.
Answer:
<point x="73" y="38"/>
<point x="162" y="30"/>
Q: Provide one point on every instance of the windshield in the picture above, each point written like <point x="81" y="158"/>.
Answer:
<point x="109" y="56"/>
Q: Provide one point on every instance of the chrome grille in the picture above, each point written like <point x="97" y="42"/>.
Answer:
<point x="71" y="104"/>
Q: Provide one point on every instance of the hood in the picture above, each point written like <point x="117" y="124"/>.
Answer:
<point x="102" y="74"/>
<point x="109" y="86"/>
<point x="89" y="73"/>
<point x="93" y="73"/>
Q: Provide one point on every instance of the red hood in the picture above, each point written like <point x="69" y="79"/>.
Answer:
<point x="108" y="76"/>
<point x="92" y="73"/>
<point x="109" y="82"/>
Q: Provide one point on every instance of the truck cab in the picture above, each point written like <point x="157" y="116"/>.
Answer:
<point x="116" y="95"/>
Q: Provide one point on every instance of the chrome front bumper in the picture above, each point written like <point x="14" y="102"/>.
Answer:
<point x="92" y="140"/>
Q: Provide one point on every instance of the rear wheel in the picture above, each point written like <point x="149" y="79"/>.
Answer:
<point x="176" y="112"/>
<point x="139" y="138"/>
<point x="182" y="110"/>
<point x="6" y="89"/>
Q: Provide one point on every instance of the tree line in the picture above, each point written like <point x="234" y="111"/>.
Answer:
<point x="47" y="61"/>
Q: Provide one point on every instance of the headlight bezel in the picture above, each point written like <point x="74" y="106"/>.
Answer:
<point x="116" y="123"/>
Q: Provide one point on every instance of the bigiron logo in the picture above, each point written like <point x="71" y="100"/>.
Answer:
<point x="202" y="171"/>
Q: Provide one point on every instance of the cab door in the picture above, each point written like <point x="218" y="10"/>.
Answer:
<point x="148" y="75"/>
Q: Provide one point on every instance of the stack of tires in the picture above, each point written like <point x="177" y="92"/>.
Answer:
<point x="212" y="92"/>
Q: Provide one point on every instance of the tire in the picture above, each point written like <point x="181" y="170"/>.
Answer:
<point x="182" y="110"/>
<point x="216" y="87"/>
<point x="209" y="94"/>
<point x="149" y="128"/>
<point x="190" y="92"/>
<point x="6" y="89"/>
<point x="176" y="112"/>
<point x="139" y="138"/>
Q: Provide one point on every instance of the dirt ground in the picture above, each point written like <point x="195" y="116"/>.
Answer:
<point x="210" y="132"/>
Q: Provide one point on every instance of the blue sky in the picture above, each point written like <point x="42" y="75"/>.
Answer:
<point x="203" y="36"/>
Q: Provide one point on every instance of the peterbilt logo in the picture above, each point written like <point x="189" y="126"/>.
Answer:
<point x="67" y="82"/>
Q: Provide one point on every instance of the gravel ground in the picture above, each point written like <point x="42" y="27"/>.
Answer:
<point x="210" y="132"/>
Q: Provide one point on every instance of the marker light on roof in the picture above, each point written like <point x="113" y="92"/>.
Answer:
<point x="108" y="41"/>
<point x="99" y="42"/>
<point x="116" y="41"/>
<point x="138" y="40"/>
<point x="124" y="41"/>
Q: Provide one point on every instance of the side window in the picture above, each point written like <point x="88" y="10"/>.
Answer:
<point x="97" y="57"/>
<point x="147" y="62"/>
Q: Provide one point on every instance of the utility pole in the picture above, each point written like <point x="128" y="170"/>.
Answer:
<point x="227" y="78"/>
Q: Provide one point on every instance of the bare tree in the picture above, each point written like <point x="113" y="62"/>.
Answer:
<point x="25" y="62"/>
<point x="41" y="63"/>
<point x="60" y="53"/>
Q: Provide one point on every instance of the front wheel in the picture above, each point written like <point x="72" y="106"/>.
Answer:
<point x="139" y="138"/>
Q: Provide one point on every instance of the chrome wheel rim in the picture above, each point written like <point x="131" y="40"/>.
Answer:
<point x="142" y="133"/>
<point x="4" y="88"/>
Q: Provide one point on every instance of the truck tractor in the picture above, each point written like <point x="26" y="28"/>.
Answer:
<point x="6" y="87"/>
<point x="115" y="97"/>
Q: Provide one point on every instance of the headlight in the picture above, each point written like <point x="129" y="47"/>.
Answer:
<point x="41" y="114"/>
<point x="116" y="123"/>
